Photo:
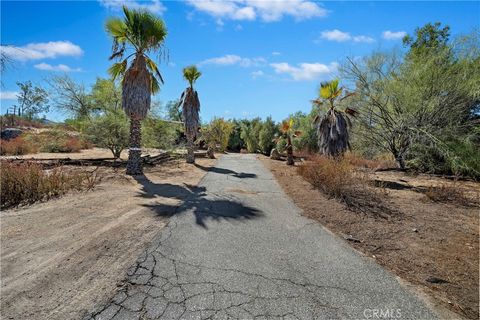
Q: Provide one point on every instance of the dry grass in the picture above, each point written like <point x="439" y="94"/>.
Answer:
<point x="338" y="179"/>
<point x="358" y="161"/>
<point x="26" y="183"/>
<point x="17" y="146"/>
<point x="451" y="193"/>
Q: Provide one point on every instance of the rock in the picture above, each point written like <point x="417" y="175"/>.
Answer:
<point x="274" y="154"/>
<point x="435" y="280"/>
<point x="10" y="133"/>
<point x="414" y="230"/>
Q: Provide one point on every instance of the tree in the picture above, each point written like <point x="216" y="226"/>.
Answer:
<point x="267" y="136"/>
<point x="142" y="32"/>
<point x="216" y="135"/>
<point x="250" y="133"/>
<point x="106" y="95"/>
<point x="109" y="130"/>
<point x="71" y="97"/>
<point x="333" y="135"/>
<point x="428" y="39"/>
<point x="32" y="100"/>
<point x="417" y="107"/>
<point x="287" y="132"/>
<point x="190" y="109"/>
<point x="173" y="111"/>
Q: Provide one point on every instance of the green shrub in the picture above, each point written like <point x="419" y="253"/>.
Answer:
<point x="267" y="135"/>
<point x="110" y="131"/>
<point x="217" y="133"/>
<point x="157" y="133"/>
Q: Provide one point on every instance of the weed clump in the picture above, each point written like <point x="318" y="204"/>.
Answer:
<point x="17" y="146"/>
<point x="26" y="183"/>
<point x="337" y="179"/>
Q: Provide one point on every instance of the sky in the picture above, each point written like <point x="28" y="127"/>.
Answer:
<point x="258" y="57"/>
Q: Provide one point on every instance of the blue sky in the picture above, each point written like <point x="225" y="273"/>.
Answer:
<point x="258" y="57"/>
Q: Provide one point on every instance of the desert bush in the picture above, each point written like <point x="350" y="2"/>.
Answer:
<point x="216" y="134"/>
<point x="157" y="133"/>
<point x="235" y="141"/>
<point x="266" y="136"/>
<point x="337" y="179"/>
<point x="26" y="183"/>
<point x="379" y="162"/>
<point x="450" y="193"/>
<point x="58" y="141"/>
<point x="250" y="134"/>
<point x="109" y="131"/>
<point x="17" y="146"/>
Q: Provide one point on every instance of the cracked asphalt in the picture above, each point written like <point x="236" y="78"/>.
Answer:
<point x="238" y="248"/>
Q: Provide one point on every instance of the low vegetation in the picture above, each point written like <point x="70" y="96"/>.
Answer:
<point x="453" y="194"/>
<point x="17" y="146"/>
<point x="337" y="179"/>
<point x="26" y="183"/>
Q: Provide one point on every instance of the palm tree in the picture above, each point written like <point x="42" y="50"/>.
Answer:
<point x="287" y="132"/>
<point x="333" y="135"/>
<point x="190" y="109"/>
<point x="141" y="33"/>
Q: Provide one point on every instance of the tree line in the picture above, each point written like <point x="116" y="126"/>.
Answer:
<point x="420" y="105"/>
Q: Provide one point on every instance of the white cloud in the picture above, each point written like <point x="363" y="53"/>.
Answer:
<point x="275" y="53"/>
<point x="256" y="74"/>
<point x="154" y="6"/>
<point x="8" y="95"/>
<point x="305" y="71"/>
<point x="364" y="39"/>
<point x="267" y="11"/>
<point x="335" y="35"/>
<point x="340" y="36"/>
<point x="61" y="67"/>
<point x="232" y="59"/>
<point x="42" y="50"/>
<point x="393" y="35"/>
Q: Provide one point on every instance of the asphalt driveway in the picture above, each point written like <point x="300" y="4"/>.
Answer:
<point x="239" y="249"/>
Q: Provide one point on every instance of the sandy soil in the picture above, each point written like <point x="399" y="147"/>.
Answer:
<point x="427" y="240"/>
<point x="61" y="258"/>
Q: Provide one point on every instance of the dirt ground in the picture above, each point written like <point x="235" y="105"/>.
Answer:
<point x="426" y="240"/>
<point x="61" y="258"/>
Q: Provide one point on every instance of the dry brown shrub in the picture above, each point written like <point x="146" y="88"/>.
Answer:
<point x="26" y="183"/>
<point x="338" y="179"/>
<point x="17" y="146"/>
<point x="357" y="160"/>
<point x="451" y="193"/>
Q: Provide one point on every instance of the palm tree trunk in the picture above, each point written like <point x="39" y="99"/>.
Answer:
<point x="134" y="164"/>
<point x="190" y="151"/>
<point x="290" y="161"/>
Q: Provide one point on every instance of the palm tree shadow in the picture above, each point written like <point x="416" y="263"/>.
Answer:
<point x="196" y="200"/>
<point x="232" y="173"/>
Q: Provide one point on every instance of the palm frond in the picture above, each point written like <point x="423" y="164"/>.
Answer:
<point x="155" y="85"/>
<point x="118" y="69"/>
<point x="191" y="74"/>
<point x="154" y="68"/>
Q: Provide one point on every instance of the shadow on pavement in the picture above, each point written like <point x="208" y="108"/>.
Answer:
<point x="194" y="200"/>
<point x="232" y="173"/>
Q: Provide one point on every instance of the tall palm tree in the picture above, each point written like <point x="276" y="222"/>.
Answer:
<point x="190" y="109"/>
<point x="288" y="132"/>
<point x="138" y="33"/>
<point x="332" y="127"/>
